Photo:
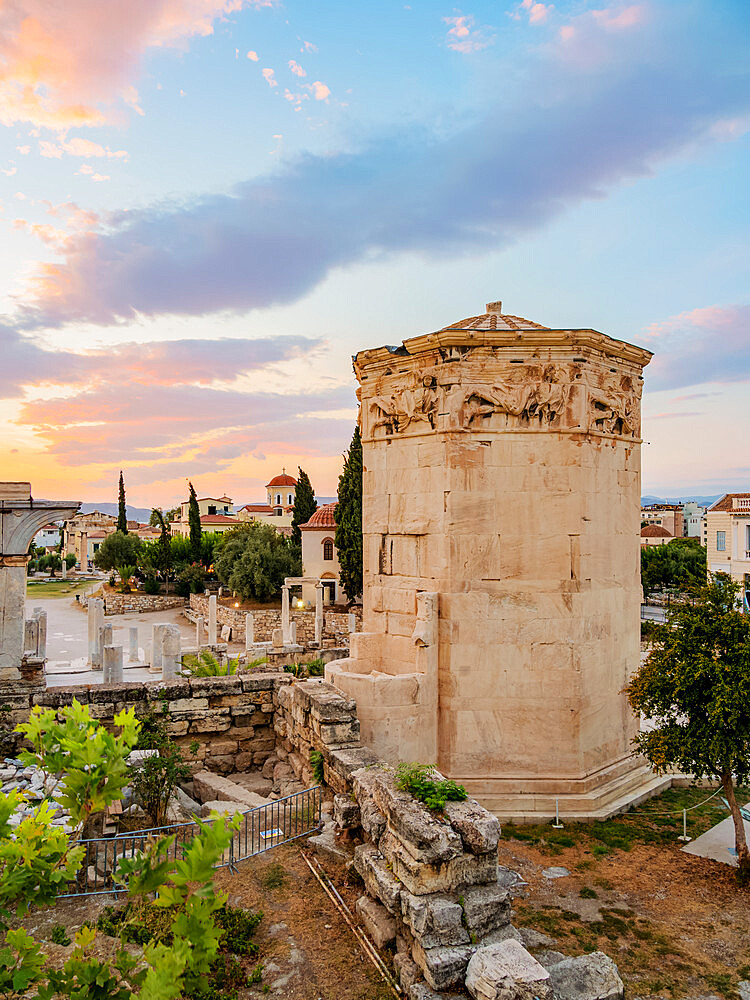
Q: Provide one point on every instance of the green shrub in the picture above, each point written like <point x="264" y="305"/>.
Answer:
<point x="315" y="667"/>
<point x="206" y="665"/>
<point x="316" y="762"/>
<point x="59" y="935"/>
<point x="151" y="585"/>
<point x="421" y="781"/>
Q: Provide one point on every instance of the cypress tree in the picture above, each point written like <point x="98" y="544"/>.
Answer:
<point x="122" y="514"/>
<point x="349" y="519"/>
<point x="194" y="523"/>
<point x="304" y="505"/>
<point x="165" y="548"/>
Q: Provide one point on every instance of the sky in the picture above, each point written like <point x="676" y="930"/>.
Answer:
<point x="208" y="206"/>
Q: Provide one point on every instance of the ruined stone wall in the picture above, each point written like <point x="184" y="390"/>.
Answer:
<point x="430" y="879"/>
<point x="335" y="632"/>
<point x="230" y="718"/>
<point x="120" y="604"/>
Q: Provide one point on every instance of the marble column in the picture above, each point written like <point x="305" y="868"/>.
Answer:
<point x="133" y="651"/>
<point x="285" y="613"/>
<point x="171" y="658"/>
<point x="318" y="614"/>
<point x="199" y="636"/>
<point x="157" y="632"/>
<point x="212" y="640"/>
<point x="249" y="631"/>
<point x="112" y="664"/>
<point x="351" y="621"/>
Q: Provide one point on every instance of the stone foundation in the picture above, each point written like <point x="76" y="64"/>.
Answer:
<point x="121" y="604"/>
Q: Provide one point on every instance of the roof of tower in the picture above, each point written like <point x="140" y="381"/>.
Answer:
<point x="655" y="531"/>
<point x="495" y="319"/>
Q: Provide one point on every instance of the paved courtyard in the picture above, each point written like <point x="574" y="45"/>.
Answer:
<point x="67" y="639"/>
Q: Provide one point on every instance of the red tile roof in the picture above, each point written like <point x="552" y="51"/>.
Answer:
<point x="324" y="517"/>
<point x="218" y="519"/>
<point x="257" y="508"/>
<point x="655" y="531"/>
<point x="282" y="480"/>
<point x="727" y="502"/>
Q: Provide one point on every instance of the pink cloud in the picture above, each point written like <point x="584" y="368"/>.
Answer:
<point x="464" y="36"/>
<point x="79" y="147"/>
<point x="320" y="91"/>
<point x="586" y="41"/>
<point x="537" y="13"/>
<point x="268" y="76"/>
<point x="295" y="67"/>
<point x="617" y="18"/>
<point x="253" y="56"/>
<point x="65" y="65"/>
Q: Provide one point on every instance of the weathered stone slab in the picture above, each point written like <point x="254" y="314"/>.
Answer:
<point x="434" y="920"/>
<point x="210" y="787"/>
<point x="443" y="968"/>
<point x="421" y="878"/>
<point x="222" y="806"/>
<point x="506" y="971"/>
<point x="479" y="829"/>
<point x="378" y="922"/>
<point x="407" y="970"/>
<point x="379" y="880"/>
<point x="346" y="812"/>
<point x="486" y="908"/>
<point x="587" y="977"/>
<point x="421" y="991"/>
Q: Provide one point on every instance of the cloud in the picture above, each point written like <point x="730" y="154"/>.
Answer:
<point x="573" y="134"/>
<point x="253" y="56"/>
<point x="87" y="170"/>
<point x="711" y="344"/>
<point x="268" y="76"/>
<point x="308" y="47"/>
<point x="9" y="171"/>
<point x="537" y="13"/>
<point x="320" y="91"/>
<point x="587" y="38"/>
<point x="79" y="147"/>
<point x="296" y="68"/>
<point x="464" y="36"/>
<point x="67" y="64"/>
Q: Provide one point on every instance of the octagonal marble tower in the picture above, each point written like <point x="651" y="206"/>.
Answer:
<point x="501" y="562"/>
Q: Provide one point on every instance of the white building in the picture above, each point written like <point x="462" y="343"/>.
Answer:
<point x="47" y="537"/>
<point x="728" y="540"/>
<point x="319" y="556"/>
<point x="692" y="519"/>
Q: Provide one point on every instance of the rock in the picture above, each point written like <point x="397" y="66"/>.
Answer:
<point x="421" y="991"/>
<point x="479" y="829"/>
<point x="486" y="908"/>
<point x="511" y="881"/>
<point x="421" y="878"/>
<point x="506" y="971"/>
<point x="346" y="812"/>
<point x="407" y="969"/>
<point x="547" y="957"/>
<point x="325" y="841"/>
<point x="188" y="804"/>
<point x="587" y="977"/>
<point x="443" y="968"/>
<point x="253" y="781"/>
<point x="137" y="757"/>
<point x="372" y="820"/>
<point x="503" y="934"/>
<point x="378" y="922"/>
<point x="225" y="807"/>
<point x="268" y="766"/>
<point x="556" y="871"/>
<point x="743" y="988"/>
<point x="210" y="787"/>
<point x="379" y="881"/>
<point x="434" y="920"/>
<point x="535" y="939"/>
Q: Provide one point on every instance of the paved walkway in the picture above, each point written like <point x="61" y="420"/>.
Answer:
<point x="67" y="640"/>
<point x="717" y="842"/>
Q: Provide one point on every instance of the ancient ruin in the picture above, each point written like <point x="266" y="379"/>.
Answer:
<point x="501" y="582"/>
<point x="20" y="518"/>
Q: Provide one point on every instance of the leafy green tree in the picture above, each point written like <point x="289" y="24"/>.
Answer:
<point x="679" y="564"/>
<point x="349" y="519"/>
<point x="118" y="550"/>
<point x="50" y="561"/>
<point x="304" y="506"/>
<point x="194" y="523"/>
<point x="254" y="559"/>
<point x="695" y="688"/>
<point x="182" y="552"/>
<point x="172" y="514"/>
<point x="122" y="513"/>
<point x="156" y="513"/>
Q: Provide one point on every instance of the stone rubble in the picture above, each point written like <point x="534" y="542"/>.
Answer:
<point x="30" y="782"/>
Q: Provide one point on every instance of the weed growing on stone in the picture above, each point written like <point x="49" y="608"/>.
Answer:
<point x="316" y="763"/>
<point x="420" y="781"/>
<point x="273" y="877"/>
<point x="59" y="935"/>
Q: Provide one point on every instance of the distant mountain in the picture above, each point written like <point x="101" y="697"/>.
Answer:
<point x="705" y="501"/>
<point x="324" y="500"/>
<point x="141" y="514"/>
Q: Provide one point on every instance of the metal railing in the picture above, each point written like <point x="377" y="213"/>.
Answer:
<point x="260" y="830"/>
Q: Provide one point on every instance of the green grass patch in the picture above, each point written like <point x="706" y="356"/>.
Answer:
<point x="273" y="877"/>
<point x="646" y="824"/>
<point x="55" y="588"/>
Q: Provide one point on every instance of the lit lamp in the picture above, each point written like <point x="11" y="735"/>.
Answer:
<point x="300" y="603"/>
<point x="236" y="604"/>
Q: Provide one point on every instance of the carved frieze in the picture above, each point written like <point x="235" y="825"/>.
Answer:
<point x="539" y="396"/>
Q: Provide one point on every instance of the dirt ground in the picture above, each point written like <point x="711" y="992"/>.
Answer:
<point x="677" y="925"/>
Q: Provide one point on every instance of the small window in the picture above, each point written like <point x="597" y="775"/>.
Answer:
<point x="211" y="509"/>
<point x="278" y="498"/>
<point x="328" y="549"/>
<point x="721" y="541"/>
<point x="291" y="499"/>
